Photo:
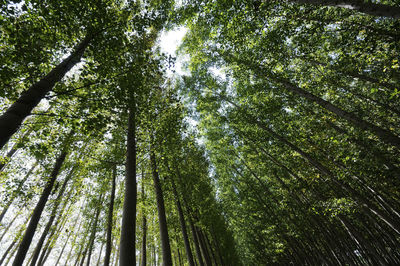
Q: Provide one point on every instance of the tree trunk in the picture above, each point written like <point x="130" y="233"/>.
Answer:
<point x="9" y="225"/>
<point x="196" y="242"/>
<point x="358" y="5"/>
<point x="110" y="219"/>
<point x="385" y="135"/>
<point x="162" y="219"/>
<point x="203" y="246"/>
<point x="14" y="149"/>
<point x="94" y="229"/>
<point x="127" y="255"/>
<point x="189" y="253"/>
<point x="208" y="243"/>
<point x="7" y="251"/>
<point x="144" y="228"/>
<point x="73" y="242"/>
<point x="101" y="251"/>
<point x="33" y="223"/>
<point x="12" y="119"/>
<point x="14" y="195"/>
<point x="54" y="234"/>
<point x="39" y="245"/>
<point x="66" y="242"/>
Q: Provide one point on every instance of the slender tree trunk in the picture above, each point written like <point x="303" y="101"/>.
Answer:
<point x="7" y="251"/>
<point x="73" y="243"/>
<point x="30" y="231"/>
<point x="144" y="227"/>
<point x="66" y="242"/>
<point x="196" y="242"/>
<point x="54" y="234"/>
<point x="127" y="255"/>
<point x="212" y="253"/>
<point x="358" y="5"/>
<point x="16" y="238"/>
<point x="385" y="135"/>
<point x="117" y="261"/>
<point x="101" y="251"/>
<point x="179" y="256"/>
<point x="39" y="245"/>
<point x="189" y="253"/>
<point x="84" y="256"/>
<point x="166" y="248"/>
<point x="344" y="187"/>
<point x="14" y="194"/>
<point x="12" y="119"/>
<point x="110" y="219"/>
<point x="9" y="225"/>
<point x="203" y="246"/>
<point x="221" y="260"/>
<point x="94" y="229"/>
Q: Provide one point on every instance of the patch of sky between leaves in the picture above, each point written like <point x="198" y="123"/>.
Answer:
<point x="169" y="41"/>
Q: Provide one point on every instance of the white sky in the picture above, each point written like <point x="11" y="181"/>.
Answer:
<point x="169" y="42"/>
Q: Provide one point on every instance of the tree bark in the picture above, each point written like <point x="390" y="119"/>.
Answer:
<point x="127" y="256"/>
<point x="33" y="223"/>
<point x="66" y="242"/>
<point x="203" y="246"/>
<point x="196" y="242"/>
<point x="7" y="251"/>
<point x="39" y="245"/>
<point x="12" y="119"/>
<point x="110" y="219"/>
<point x="101" y="251"/>
<point x="385" y="135"/>
<point x="358" y="5"/>
<point x="166" y="249"/>
<point x="14" y="149"/>
<point x="189" y="253"/>
<point x="9" y="225"/>
<point x="94" y="229"/>
<point x="144" y="228"/>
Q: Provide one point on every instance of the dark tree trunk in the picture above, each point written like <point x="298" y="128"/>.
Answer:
<point x="54" y="233"/>
<point x="183" y="225"/>
<point x="9" y="225"/>
<point x="39" y="245"/>
<point x="342" y="187"/>
<point x="166" y="249"/>
<point x="110" y="219"/>
<point x="94" y="229"/>
<point x="358" y="5"/>
<point x="203" y="246"/>
<point x="30" y="230"/>
<point x="196" y="242"/>
<point x="212" y="253"/>
<point x="7" y="251"/>
<point x="127" y="255"/>
<point x="144" y="226"/>
<point x="385" y="135"/>
<point x="14" y="149"/>
<point x="12" y="119"/>
<point x="14" y="195"/>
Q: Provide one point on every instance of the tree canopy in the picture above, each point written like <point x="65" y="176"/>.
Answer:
<point x="278" y="144"/>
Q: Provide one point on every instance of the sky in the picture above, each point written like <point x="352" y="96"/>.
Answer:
<point x="169" y="42"/>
